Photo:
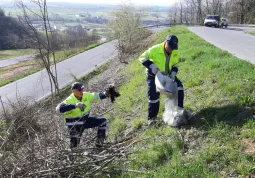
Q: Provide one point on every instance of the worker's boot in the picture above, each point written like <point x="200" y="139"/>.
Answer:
<point x="74" y="142"/>
<point x="152" y="121"/>
<point x="100" y="141"/>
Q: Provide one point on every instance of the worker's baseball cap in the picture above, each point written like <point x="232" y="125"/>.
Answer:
<point x="172" y="41"/>
<point x="77" y="86"/>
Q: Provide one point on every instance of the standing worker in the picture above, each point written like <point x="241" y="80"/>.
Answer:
<point x="76" y="109"/>
<point x="163" y="58"/>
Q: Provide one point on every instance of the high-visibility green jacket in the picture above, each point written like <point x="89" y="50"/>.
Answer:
<point x="156" y="55"/>
<point x="87" y="98"/>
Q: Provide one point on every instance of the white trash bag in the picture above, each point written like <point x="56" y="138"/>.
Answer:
<point x="173" y="115"/>
<point x="164" y="84"/>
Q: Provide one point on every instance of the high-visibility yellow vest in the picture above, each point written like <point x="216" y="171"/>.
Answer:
<point x="87" y="98"/>
<point x="157" y="55"/>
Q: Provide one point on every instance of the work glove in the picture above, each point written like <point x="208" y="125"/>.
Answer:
<point x="154" y="68"/>
<point x="107" y="92"/>
<point x="80" y="105"/>
<point x="112" y="92"/>
<point x="173" y="72"/>
<point x="173" y="75"/>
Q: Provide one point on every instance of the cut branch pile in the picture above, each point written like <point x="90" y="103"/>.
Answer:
<point x="42" y="152"/>
<point x="95" y="161"/>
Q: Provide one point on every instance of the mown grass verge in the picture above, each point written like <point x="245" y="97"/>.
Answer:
<point x="252" y="33"/>
<point x="6" y="54"/>
<point x="13" y="79"/>
<point x="60" y="56"/>
<point x="64" y="54"/>
<point x="219" y="88"/>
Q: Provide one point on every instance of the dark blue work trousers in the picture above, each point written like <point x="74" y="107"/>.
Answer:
<point x="154" y="96"/>
<point x="75" y="131"/>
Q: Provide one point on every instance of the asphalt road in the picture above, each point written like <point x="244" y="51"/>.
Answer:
<point x="244" y="29"/>
<point x="233" y="39"/>
<point x="15" y="60"/>
<point x="37" y="85"/>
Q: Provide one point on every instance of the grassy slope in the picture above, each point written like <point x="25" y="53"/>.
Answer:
<point x="6" y="54"/>
<point x="220" y="89"/>
<point x="252" y="33"/>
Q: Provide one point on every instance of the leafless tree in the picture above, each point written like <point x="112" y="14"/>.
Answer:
<point x="199" y="11"/>
<point x="44" y="40"/>
<point x="181" y="12"/>
<point x="157" y="16"/>
<point x="173" y="14"/>
<point x="238" y="11"/>
<point x="125" y="23"/>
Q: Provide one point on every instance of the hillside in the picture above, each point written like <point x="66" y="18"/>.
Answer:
<point x="220" y="140"/>
<point x="12" y="34"/>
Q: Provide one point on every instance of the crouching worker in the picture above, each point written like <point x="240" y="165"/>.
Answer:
<point x="76" y="109"/>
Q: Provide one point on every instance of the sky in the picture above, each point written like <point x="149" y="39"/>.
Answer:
<point x="116" y="2"/>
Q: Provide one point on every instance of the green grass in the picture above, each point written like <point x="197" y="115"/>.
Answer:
<point x="64" y="54"/>
<point x="5" y="82"/>
<point x="252" y="33"/>
<point x="219" y="88"/>
<point x="6" y="54"/>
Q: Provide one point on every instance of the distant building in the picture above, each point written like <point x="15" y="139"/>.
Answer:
<point x="57" y="27"/>
<point x="80" y="15"/>
<point x="88" y="15"/>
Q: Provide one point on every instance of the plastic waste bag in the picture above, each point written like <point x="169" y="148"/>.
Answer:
<point x="173" y="115"/>
<point x="164" y="84"/>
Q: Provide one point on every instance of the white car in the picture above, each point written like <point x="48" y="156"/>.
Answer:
<point x="212" y="20"/>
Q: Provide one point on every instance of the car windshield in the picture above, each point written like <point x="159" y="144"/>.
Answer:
<point x="211" y="17"/>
